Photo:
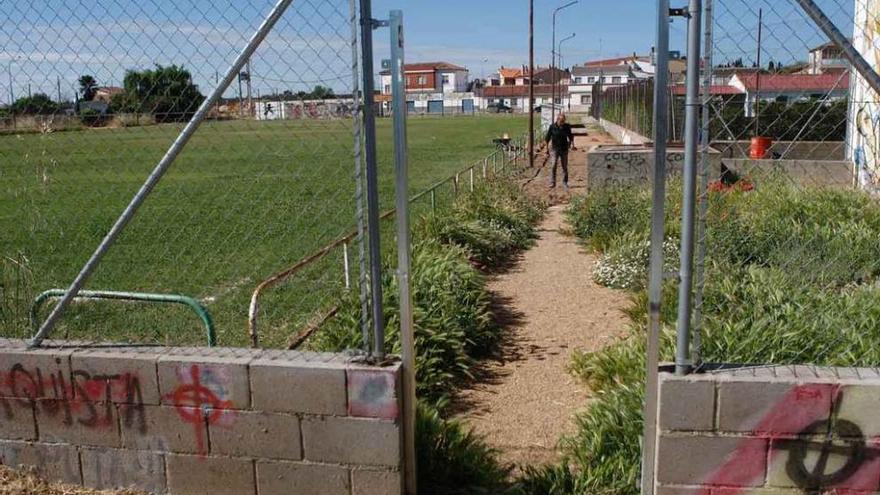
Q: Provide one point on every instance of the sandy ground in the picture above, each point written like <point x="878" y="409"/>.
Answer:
<point x="525" y="399"/>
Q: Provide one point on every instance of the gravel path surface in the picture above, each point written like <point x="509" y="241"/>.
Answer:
<point x="525" y="399"/>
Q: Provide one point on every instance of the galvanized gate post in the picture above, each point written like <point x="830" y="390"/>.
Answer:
<point x="403" y="249"/>
<point x="655" y="290"/>
<point x="368" y="24"/>
<point x="689" y="194"/>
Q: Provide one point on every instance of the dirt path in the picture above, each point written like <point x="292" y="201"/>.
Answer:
<point x="525" y="399"/>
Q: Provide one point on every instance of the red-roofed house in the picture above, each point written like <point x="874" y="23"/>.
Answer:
<point x="430" y="77"/>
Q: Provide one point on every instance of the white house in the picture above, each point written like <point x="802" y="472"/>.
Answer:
<point x="790" y="87"/>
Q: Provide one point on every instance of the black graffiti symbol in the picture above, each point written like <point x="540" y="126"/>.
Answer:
<point x="843" y="439"/>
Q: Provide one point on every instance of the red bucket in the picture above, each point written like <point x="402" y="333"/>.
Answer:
<point x="760" y="148"/>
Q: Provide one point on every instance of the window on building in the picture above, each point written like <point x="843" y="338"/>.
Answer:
<point x="591" y="80"/>
<point x="578" y="80"/>
<point x="616" y="80"/>
<point x="423" y="80"/>
<point x="585" y="99"/>
<point x="445" y="79"/>
<point x="513" y="102"/>
<point x="387" y="89"/>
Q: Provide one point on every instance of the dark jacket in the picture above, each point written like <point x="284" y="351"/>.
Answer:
<point x="560" y="137"/>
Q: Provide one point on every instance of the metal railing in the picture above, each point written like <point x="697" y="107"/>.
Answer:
<point x="499" y="161"/>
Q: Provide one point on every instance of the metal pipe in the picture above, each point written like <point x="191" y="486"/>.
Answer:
<point x="346" y="265"/>
<point x="758" y="74"/>
<point x="655" y="286"/>
<point x="689" y="176"/>
<point x="700" y="266"/>
<point x="531" y="85"/>
<point x="471" y="172"/>
<point x="373" y="234"/>
<point x="192" y="303"/>
<point x="157" y="173"/>
<point x="407" y="336"/>
<point x="849" y="52"/>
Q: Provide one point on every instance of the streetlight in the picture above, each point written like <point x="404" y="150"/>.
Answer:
<point x="559" y="56"/>
<point x="553" y="54"/>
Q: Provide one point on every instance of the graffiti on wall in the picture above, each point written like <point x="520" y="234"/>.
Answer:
<point x="90" y="400"/>
<point x="813" y="447"/>
<point x="865" y="131"/>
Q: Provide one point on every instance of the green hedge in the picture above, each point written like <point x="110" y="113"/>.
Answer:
<point x="792" y="277"/>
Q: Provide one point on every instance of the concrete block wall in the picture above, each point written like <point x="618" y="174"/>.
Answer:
<point x="622" y="134"/>
<point x="769" y="431"/>
<point x="193" y="421"/>
<point x="805" y="173"/>
<point x="628" y="165"/>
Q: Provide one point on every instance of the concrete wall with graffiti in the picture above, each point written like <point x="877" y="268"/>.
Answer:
<point x="864" y="131"/>
<point x="201" y="421"/>
<point x="770" y="430"/>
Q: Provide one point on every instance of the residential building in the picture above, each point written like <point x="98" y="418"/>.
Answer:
<point x="584" y="78"/>
<point x="825" y="58"/>
<point x="106" y="93"/>
<point x="430" y="77"/>
<point x="517" y="96"/>
<point x="520" y="76"/>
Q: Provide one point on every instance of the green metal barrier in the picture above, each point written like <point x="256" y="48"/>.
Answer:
<point x="130" y="296"/>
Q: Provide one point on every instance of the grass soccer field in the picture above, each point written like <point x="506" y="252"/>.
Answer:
<point x="244" y="200"/>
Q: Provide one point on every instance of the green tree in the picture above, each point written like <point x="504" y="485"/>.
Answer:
<point x="321" y="93"/>
<point x="166" y="92"/>
<point x="38" y="104"/>
<point x="87" y="87"/>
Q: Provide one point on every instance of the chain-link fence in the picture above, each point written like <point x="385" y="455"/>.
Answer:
<point x="93" y="103"/>
<point x="272" y="177"/>
<point x="786" y="220"/>
<point x="775" y="210"/>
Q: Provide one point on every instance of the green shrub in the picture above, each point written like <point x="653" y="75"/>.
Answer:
<point x="493" y="223"/>
<point x="601" y="216"/>
<point x="452" y="460"/>
<point x="791" y="278"/>
<point x="451" y="315"/>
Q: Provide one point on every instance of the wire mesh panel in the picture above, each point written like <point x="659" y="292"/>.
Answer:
<point x="96" y="95"/>
<point x="789" y="253"/>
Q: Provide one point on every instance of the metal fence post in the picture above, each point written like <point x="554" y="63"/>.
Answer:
<point x="160" y="169"/>
<point x="655" y="289"/>
<point x="455" y="185"/>
<point x="433" y="199"/>
<point x="688" y="213"/>
<point x="471" y="173"/>
<point x="369" y="119"/>
<point x="485" y="168"/>
<point x="403" y="250"/>
<point x="700" y="263"/>
<point x="346" y="266"/>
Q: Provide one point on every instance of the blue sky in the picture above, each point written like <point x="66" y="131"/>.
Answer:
<point x="43" y="43"/>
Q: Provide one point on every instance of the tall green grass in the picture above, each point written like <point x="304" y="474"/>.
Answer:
<point x="792" y="277"/>
<point x="454" y="325"/>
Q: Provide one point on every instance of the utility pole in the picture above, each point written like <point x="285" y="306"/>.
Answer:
<point x="531" y="83"/>
<point x="249" y="88"/>
<point x="758" y="75"/>
<point x="58" y="85"/>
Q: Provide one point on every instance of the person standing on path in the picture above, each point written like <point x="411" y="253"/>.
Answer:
<point x="560" y="139"/>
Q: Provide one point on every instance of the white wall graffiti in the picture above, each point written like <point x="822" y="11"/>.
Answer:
<point x="864" y="132"/>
